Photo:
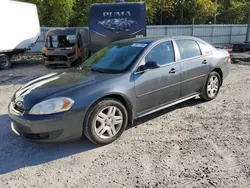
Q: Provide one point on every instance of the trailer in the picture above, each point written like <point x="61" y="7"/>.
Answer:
<point x="108" y="22"/>
<point x="20" y="29"/>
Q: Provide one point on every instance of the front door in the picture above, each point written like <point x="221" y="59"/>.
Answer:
<point x="156" y="87"/>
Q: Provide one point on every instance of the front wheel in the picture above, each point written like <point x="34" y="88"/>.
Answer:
<point x="5" y="62"/>
<point x="212" y="87"/>
<point x="105" y="122"/>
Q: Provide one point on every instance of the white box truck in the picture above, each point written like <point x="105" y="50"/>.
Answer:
<point x="19" y="29"/>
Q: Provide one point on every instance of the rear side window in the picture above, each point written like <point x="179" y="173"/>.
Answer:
<point x="188" y="48"/>
<point x="205" y="48"/>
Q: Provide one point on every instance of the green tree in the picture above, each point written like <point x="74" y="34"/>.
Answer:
<point x="55" y="13"/>
<point x="80" y="14"/>
<point x="163" y="10"/>
<point x="81" y="9"/>
<point x="233" y="11"/>
<point x="75" y="13"/>
<point x="201" y="10"/>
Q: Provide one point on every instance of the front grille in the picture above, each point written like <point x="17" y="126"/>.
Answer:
<point x="19" y="107"/>
<point x="57" y="58"/>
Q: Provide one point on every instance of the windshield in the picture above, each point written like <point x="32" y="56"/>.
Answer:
<point x="114" y="58"/>
<point x="60" y="41"/>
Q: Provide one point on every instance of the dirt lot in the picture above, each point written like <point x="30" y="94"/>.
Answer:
<point x="193" y="144"/>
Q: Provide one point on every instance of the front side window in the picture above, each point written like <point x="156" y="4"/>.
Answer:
<point x="162" y="53"/>
<point x="188" y="49"/>
<point x="114" y="58"/>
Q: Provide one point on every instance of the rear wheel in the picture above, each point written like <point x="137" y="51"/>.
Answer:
<point x="105" y="122"/>
<point x="212" y="87"/>
<point x="5" y="62"/>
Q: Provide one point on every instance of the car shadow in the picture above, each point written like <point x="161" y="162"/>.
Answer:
<point x="17" y="153"/>
<point x="189" y="103"/>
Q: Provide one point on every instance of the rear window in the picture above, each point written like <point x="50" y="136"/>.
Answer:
<point x="188" y="48"/>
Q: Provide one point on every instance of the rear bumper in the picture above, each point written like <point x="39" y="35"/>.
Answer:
<point x="226" y="69"/>
<point x="47" y="128"/>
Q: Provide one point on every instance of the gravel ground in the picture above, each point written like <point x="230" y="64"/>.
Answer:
<point x="193" y="144"/>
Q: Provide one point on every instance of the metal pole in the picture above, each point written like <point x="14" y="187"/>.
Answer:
<point x="212" y="36"/>
<point x="193" y="27"/>
<point x="248" y="28"/>
<point x="166" y="30"/>
<point x="231" y="33"/>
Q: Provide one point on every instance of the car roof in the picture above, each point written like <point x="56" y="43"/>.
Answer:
<point x="152" y="39"/>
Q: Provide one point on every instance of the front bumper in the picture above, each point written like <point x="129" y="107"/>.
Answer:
<point x="47" y="128"/>
<point x="67" y="62"/>
<point x="58" y="63"/>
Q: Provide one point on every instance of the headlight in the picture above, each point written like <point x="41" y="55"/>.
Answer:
<point x="52" y="106"/>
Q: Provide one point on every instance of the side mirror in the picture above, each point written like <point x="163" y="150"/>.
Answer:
<point x="150" y="65"/>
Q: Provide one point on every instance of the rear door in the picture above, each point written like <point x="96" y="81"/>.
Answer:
<point x="194" y="66"/>
<point x="159" y="86"/>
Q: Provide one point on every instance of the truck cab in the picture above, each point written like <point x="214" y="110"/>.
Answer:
<point x="66" y="47"/>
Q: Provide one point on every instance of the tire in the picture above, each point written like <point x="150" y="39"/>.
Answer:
<point x="5" y="62"/>
<point x="47" y="66"/>
<point x="211" y="90"/>
<point x="92" y="124"/>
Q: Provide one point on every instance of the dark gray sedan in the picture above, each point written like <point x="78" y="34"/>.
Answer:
<point x="124" y="81"/>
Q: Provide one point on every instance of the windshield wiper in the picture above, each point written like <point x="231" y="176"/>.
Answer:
<point x="100" y="71"/>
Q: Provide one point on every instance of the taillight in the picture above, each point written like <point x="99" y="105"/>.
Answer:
<point x="229" y="57"/>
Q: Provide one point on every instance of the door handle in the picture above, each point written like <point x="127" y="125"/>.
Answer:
<point x="173" y="70"/>
<point x="205" y="61"/>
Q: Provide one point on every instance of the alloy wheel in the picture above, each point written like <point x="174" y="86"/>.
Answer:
<point x="108" y="122"/>
<point x="213" y="86"/>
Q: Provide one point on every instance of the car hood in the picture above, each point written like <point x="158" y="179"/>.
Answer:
<point x="54" y="83"/>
